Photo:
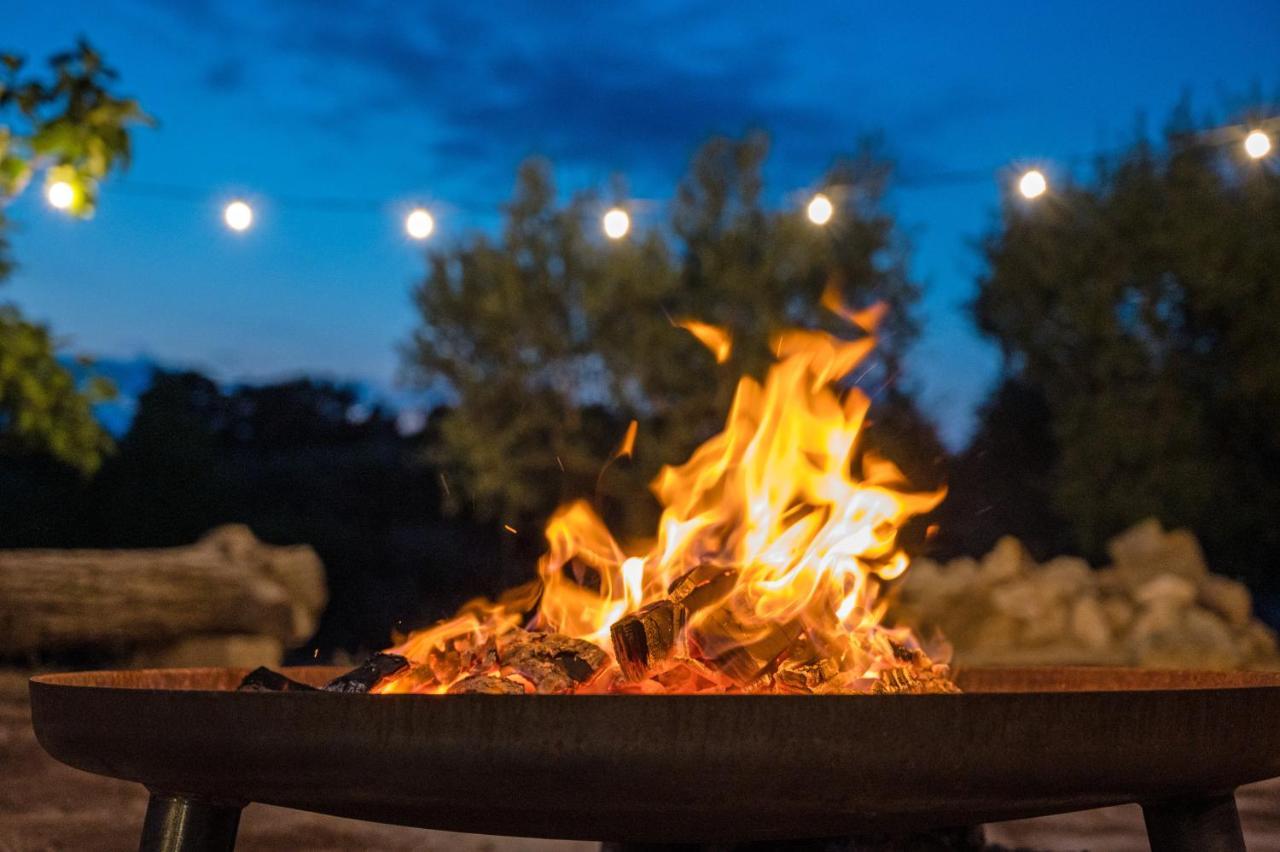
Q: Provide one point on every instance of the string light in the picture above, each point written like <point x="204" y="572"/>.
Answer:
<point x="419" y="224"/>
<point x="1032" y="184"/>
<point x="60" y="194"/>
<point x="820" y="209"/>
<point x="1257" y="144"/>
<point x="616" y="223"/>
<point x="238" y="215"/>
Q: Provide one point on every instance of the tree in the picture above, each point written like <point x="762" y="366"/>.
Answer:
<point x="553" y="338"/>
<point x="75" y="131"/>
<point x="1141" y="307"/>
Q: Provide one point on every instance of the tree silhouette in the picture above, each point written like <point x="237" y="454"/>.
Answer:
<point x="1141" y="307"/>
<point x="69" y="125"/>
<point x="554" y="338"/>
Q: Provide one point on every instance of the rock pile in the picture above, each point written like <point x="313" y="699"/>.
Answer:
<point x="1157" y="606"/>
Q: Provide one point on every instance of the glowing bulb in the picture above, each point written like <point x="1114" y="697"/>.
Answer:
<point x="61" y="194"/>
<point x="1257" y="144"/>
<point x="616" y="223"/>
<point x="419" y="224"/>
<point x="1032" y="184"/>
<point x="820" y="209"/>
<point x="238" y="215"/>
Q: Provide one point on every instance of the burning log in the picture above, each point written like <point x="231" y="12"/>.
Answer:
<point x="702" y="587"/>
<point x="741" y="653"/>
<point x="487" y="685"/>
<point x="648" y="638"/>
<point x="552" y="662"/>
<point x="366" y="676"/>
<point x="263" y="679"/>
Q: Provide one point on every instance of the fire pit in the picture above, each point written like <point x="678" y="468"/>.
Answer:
<point x="735" y="679"/>
<point x="678" y="768"/>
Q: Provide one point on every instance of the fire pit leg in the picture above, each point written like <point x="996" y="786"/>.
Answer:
<point x="1194" y="824"/>
<point x="179" y="824"/>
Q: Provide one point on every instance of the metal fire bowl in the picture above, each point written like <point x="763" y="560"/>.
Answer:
<point x="1017" y="743"/>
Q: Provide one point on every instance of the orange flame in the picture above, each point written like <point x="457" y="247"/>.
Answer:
<point x="717" y="339"/>
<point x="804" y="526"/>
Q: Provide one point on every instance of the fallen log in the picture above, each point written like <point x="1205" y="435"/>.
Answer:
<point x="117" y="600"/>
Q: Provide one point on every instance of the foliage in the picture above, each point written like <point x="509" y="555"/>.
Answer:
<point x="42" y="406"/>
<point x="1001" y="483"/>
<point x="74" y="129"/>
<point x="1142" y="307"/>
<point x="554" y="338"/>
<point x="299" y="462"/>
<point x="70" y="125"/>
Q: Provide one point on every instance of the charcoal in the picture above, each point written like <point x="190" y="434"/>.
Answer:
<point x="263" y="679"/>
<point x="901" y="680"/>
<point x="552" y="662"/>
<point x="366" y="676"/>
<point x="486" y="685"/>
<point x="647" y="638"/>
<point x="807" y="675"/>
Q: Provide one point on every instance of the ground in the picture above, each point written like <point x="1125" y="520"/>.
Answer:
<point x="45" y="806"/>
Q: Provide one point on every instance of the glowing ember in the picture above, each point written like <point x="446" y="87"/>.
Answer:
<point x="775" y="542"/>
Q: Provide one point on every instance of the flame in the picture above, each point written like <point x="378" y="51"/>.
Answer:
<point x="628" y="445"/>
<point x="798" y="527"/>
<point x="717" y="339"/>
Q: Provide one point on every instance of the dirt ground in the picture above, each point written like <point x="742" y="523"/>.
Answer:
<point x="45" y="806"/>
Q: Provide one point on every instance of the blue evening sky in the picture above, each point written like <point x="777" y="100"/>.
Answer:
<point x="395" y="102"/>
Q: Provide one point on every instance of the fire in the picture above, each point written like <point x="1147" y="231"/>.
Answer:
<point x="768" y="572"/>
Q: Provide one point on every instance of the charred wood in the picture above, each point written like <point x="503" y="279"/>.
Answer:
<point x="704" y="586"/>
<point x="263" y="679"/>
<point x="910" y="681"/>
<point x="552" y="662"/>
<point x="742" y="653"/>
<point x="487" y="685"/>
<point x="366" y="676"/>
<point x="646" y="639"/>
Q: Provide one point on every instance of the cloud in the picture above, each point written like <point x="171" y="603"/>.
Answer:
<point x="226" y="75"/>
<point x="611" y="88"/>
<point x="599" y="88"/>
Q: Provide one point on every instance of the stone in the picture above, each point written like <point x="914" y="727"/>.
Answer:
<point x="1184" y="639"/>
<point x="1166" y="589"/>
<point x="1260" y="640"/>
<point x="1145" y="551"/>
<point x="1108" y="579"/>
<point x="1049" y="627"/>
<point x="1063" y="577"/>
<point x="1215" y="646"/>
<point x="1006" y="561"/>
<point x="1119" y="611"/>
<point x="1089" y="623"/>
<point x="1228" y="598"/>
<point x="1023" y="601"/>
<point x="236" y="650"/>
